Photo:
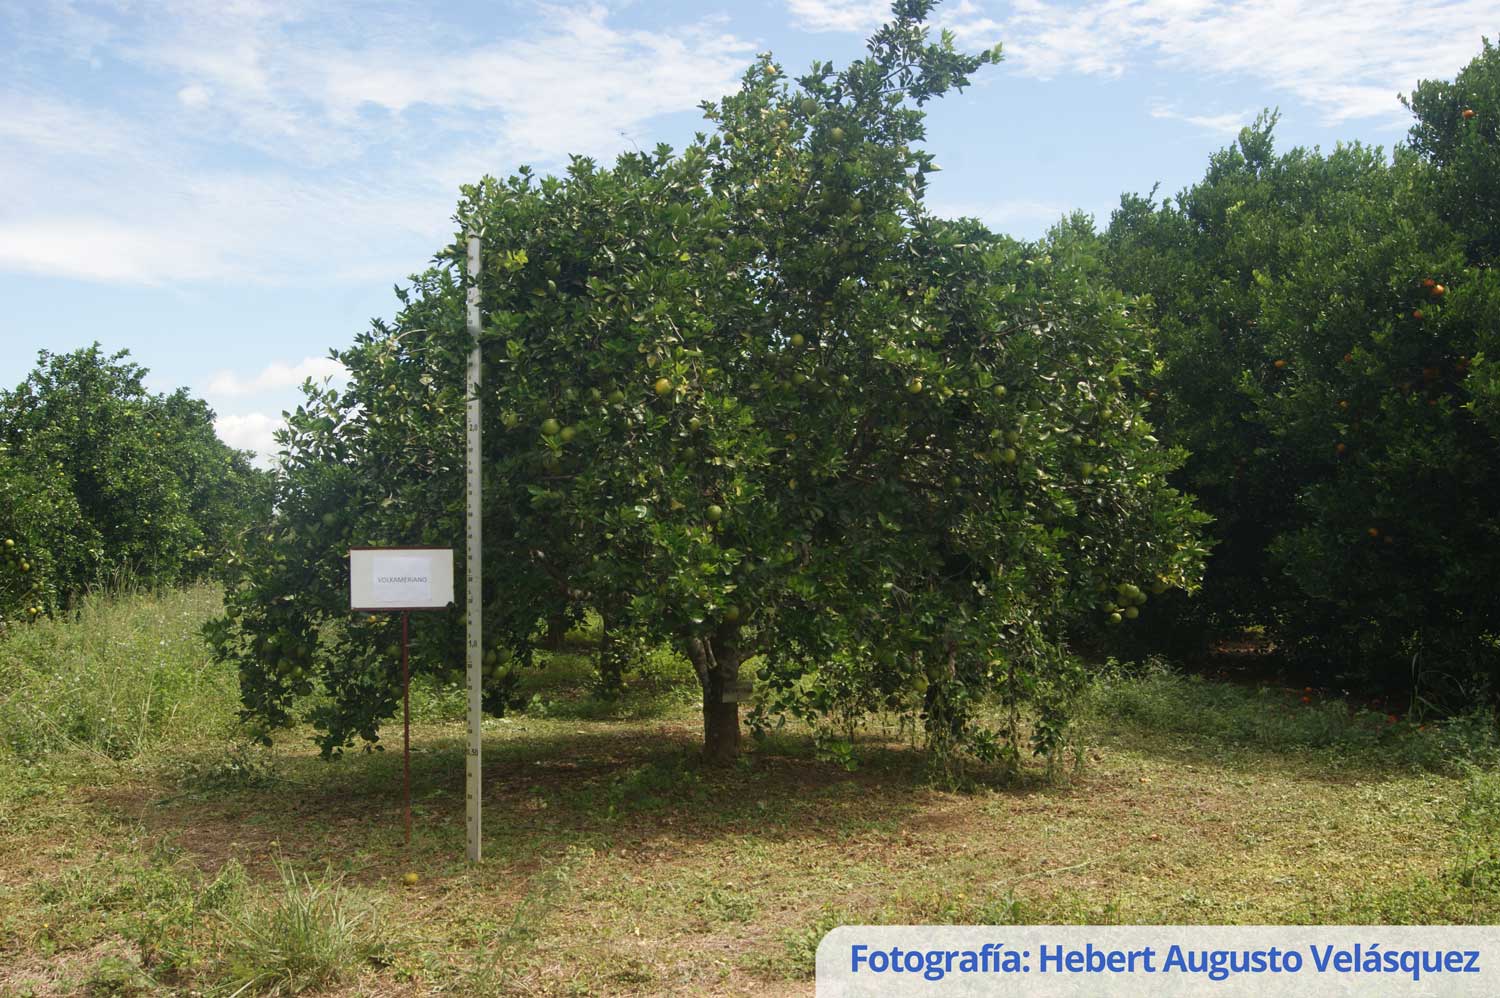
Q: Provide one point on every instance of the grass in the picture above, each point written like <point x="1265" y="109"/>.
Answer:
<point x="310" y="936"/>
<point x="187" y="860"/>
<point x="124" y="673"/>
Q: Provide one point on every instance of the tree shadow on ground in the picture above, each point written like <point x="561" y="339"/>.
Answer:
<point x="608" y="789"/>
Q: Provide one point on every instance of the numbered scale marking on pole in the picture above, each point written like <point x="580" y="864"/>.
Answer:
<point x="473" y="573"/>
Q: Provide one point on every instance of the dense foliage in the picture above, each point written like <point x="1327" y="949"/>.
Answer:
<point x="101" y="480"/>
<point x="754" y="401"/>
<point x="1328" y="329"/>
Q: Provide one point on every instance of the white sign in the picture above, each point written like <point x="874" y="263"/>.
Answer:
<point x="400" y="578"/>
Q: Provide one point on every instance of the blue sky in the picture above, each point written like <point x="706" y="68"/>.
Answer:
<point x="228" y="188"/>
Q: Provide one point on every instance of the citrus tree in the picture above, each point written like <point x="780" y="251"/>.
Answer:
<point x="1322" y="334"/>
<point x="751" y="400"/>
<point x="101" y="478"/>
<point x="1457" y="132"/>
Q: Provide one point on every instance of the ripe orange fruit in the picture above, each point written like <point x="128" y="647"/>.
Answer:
<point x="1343" y="403"/>
<point x="1416" y="313"/>
<point x="1348" y="358"/>
<point x="1307" y="699"/>
<point x="1280" y="364"/>
<point x="1438" y="290"/>
<point x="1428" y="282"/>
<point x="1468" y="113"/>
<point x="1340" y="449"/>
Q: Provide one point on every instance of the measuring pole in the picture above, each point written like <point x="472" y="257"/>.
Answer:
<point x="472" y="566"/>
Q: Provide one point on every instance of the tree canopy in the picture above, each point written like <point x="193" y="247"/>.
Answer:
<point x="1327" y="337"/>
<point x="754" y="401"/>
<point x="102" y="479"/>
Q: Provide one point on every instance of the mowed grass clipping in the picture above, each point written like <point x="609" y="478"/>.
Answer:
<point x="617" y="864"/>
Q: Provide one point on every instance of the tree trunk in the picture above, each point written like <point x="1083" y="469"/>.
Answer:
<point x="610" y="681"/>
<point x="717" y="661"/>
<point x="557" y="632"/>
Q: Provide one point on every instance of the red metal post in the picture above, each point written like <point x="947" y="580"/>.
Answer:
<point x="406" y="724"/>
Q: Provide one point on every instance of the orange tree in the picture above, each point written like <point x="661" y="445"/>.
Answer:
<point x="100" y="478"/>
<point x="1322" y="340"/>
<point x="1457" y="132"/>
<point x="753" y="401"/>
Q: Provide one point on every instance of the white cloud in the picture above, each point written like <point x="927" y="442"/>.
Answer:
<point x="839" y="15"/>
<point x="253" y="432"/>
<point x="575" y="88"/>
<point x="359" y="125"/>
<point x="1002" y="214"/>
<point x="47" y="126"/>
<point x="275" y="377"/>
<point x="98" y="250"/>
<point x="194" y="95"/>
<point x="1226" y="123"/>
<point x="1347" y="58"/>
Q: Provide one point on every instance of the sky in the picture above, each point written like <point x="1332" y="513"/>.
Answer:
<point x="230" y="188"/>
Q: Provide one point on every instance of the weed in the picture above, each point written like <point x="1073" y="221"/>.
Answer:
<point x="1477" y="836"/>
<point x="727" y="905"/>
<point x="651" y="786"/>
<point x="311" y="936"/>
<point x="801" y="944"/>
<point x="122" y="673"/>
<point x="508" y="946"/>
<point x="241" y="765"/>
<point x="118" y="977"/>
<point x="1155" y="697"/>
